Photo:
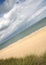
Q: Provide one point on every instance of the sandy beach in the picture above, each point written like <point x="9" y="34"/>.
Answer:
<point x="34" y="43"/>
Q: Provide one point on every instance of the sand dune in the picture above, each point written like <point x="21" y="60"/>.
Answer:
<point x="34" y="43"/>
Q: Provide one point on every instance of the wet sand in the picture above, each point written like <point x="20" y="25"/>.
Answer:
<point x="34" y="43"/>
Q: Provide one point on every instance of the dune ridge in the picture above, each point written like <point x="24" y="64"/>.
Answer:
<point x="34" y="43"/>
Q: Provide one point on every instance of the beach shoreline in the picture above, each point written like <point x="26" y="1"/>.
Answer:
<point x="34" y="43"/>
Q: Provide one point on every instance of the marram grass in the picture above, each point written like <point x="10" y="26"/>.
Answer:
<point x="29" y="60"/>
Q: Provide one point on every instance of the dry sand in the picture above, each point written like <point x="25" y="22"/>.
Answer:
<point x="34" y="43"/>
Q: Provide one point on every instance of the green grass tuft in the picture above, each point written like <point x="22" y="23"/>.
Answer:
<point x="29" y="60"/>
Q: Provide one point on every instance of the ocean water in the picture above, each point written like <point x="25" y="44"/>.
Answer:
<point x="17" y="15"/>
<point x="24" y="33"/>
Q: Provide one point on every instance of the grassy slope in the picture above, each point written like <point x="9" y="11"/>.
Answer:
<point x="29" y="60"/>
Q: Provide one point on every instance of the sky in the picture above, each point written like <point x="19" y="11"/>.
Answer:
<point x="18" y="16"/>
<point x="1" y="1"/>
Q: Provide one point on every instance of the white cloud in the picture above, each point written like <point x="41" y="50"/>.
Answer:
<point x="18" y="15"/>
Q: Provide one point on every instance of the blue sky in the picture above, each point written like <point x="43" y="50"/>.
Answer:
<point x="1" y="1"/>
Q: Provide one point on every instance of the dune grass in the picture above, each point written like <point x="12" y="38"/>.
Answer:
<point x="29" y="60"/>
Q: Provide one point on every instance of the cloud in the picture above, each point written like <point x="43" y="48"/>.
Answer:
<point x="18" y="15"/>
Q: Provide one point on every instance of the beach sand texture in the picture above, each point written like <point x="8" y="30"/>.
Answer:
<point x="34" y="43"/>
